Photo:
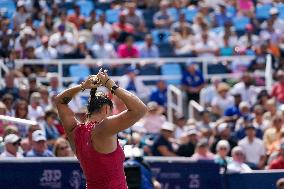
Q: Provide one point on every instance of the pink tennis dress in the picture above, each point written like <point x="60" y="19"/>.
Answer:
<point x="102" y="171"/>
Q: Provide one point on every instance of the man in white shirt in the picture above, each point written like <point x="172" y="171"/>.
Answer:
<point x="102" y="28"/>
<point x="35" y="110"/>
<point x="206" y="46"/>
<point x="102" y="49"/>
<point x="12" y="143"/>
<point x="45" y="51"/>
<point x="63" y="41"/>
<point x="253" y="148"/>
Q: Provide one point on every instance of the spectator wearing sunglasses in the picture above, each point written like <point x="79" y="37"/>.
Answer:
<point x="12" y="143"/>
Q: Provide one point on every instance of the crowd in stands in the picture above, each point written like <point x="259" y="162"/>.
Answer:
<point x="241" y="125"/>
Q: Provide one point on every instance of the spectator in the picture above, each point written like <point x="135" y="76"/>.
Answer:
<point x="24" y="93"/>
<point x="192" y="81"/>
<point x="128" y="50"/>
<point x="221" y="16"/>
<point x="130" y="82"/>
<point x="39" y="146"/>
<point x="20" y="15"/>
<point x="45" y="51"/>
<point x="222" y="158"/>
<point x="122" y="29"/>
<point x="180" y="122"/>
<point x="279" y="162"/>
<point x="249" y="40"/>
<point x="8" y="99"/>
<point x="33" y="84"/>
<point x="274" y="17"/>
<point x="162" y="19"/>
<point x="271" y="110"/>
<point x="188" y="143"/>
<point x="54" y="84"/>
<point x="91" y="20"/>
<point x="47" y="26"/>
<point x="223" y="132"/>
<point x="103" y="49"/>
<point x="35" y="110"/>
<point x="280" y="183"/>
<point x="81" y="51"/>
<point x="3" y="111"/>
<point x="182" y="22"/>
<point x="26" y="143"/>
<point x="246" y="89"/>
<point x="253" y="149"/>
<point x="159" y="93"/>
<point x="62" y="148"/>
<point x="9" y="86"/>
<point x="258" y="121"/>
<point x="63" y="41"/>
<point x="21" y="111"/>
<point x="202" y="151"/>
<point x="273" y="133"/>
<point x="148" y="48"/>
<point x="233" y="113"/>
<point x="69" y="26"/>
<point x="76" y="18"/>
<point x="45" y="98"/>
<point x="102" y="29"/>
<point x="49" y="127"/>
<point x="223" y="101"/>
<point x="205" y="122"/>
<point x="154" y="119"/>
<point x="237" y="165"/>
<point x="134" y="19"/>
<point x="278" y="88"/>
<point x="209" y="92"/>
<point x="12" y="143"/>
<point x="162" y="145"/>
<point x="206" y="46"/>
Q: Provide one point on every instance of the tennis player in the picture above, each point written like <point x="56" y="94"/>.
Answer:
<point x="95" y="141"/>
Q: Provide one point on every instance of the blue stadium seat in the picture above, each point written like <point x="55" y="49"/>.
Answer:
<point x="79" y="71"/>
<point x="173" y="13"/>
<point x="281" y="11"/>
<point x="148" y="17"/>
<point x="171" y="69"/>
<point x="86" y="6"/>
<point x="262" y="11"/>
<point x="217" y="69"/>
<point x="160" y="36"/>
<point x="190" y="13"/>
<point x="112" y="15"/>
<point x="8" y="6"/>
<point x="240" y="23"/>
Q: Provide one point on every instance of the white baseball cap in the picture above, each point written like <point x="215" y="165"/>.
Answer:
<point x="168" y="126"/>
<point x="38" y="135"/>
<point x="11" y="138"/>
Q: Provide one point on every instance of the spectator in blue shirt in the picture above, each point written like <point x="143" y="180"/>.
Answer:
<point x="148" y="48"/>
<point x="9" y="86"/>
<point x="233" y="113"/>
<point x="39" y="146"/>
<point x="51" y="131"/>
<point x="221" y="17"/>
<point x="159" y="94"/>
<point x="192" y="81"/>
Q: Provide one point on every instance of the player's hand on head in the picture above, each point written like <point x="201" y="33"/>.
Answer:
<point x="91" y="82"/>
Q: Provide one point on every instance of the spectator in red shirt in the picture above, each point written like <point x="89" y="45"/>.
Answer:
<point x="278" y="87"/>
<point x="76" y="18"/>
<point x="279" y="162"/>
<point x="128" y="50"/>
<point x="121" y="29"/>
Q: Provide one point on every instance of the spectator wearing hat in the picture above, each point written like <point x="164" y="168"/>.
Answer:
<point x="246" y="89"/>
<point x="253" y="148"/>
<point x="76" y="18"/>
<point x="222" y="151"/>
<point x="102" y="29"/>
<point x="279" y="162"/>
<point x="278" y="88"/>
<point x="9" y="86"/>
<point x="45" y="51"/>
<point x="130" y="82"/>
<point x="39" y="145"/>
<point x="188" y="142"/>
<point x="223" y="132"/>
<point x="63" y="41"/>
<point x="202" y="151"/>
<point x="162" y="146"/>
<point x="223" y="100"/>
<point x="12" y="144"/>
<point x="128" y="50"/>
<point x="154" y="118"/>
<point x="192" y="81"/>
<point x="159" y="93"/>
<point x="237" y="164"/>
<point x="35" y="111"/>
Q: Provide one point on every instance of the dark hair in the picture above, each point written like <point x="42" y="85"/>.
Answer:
<point x="97" y="100"/>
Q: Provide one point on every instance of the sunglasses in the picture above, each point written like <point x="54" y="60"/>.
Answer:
<point x="16" y="144"/>
<point x="63" y="147"/>
<point x="223" y="148"/>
